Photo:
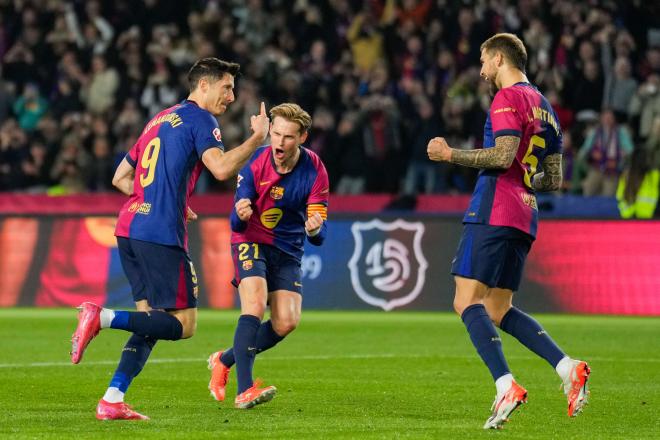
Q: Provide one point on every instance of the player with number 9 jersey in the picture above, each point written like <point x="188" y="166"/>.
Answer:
<point x="167" y="166"/>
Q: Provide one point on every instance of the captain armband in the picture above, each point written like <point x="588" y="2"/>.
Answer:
<point x="317" y="208"/>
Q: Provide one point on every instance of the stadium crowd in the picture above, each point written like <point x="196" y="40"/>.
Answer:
<point x="79" y="79"/>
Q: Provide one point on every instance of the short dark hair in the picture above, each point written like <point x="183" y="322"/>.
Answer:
<point x="511" y="47"/>
<point x="210" y="67"/>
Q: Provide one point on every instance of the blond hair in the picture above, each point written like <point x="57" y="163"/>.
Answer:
<point x="294" y="113"/>
<point x="511" y="47"/>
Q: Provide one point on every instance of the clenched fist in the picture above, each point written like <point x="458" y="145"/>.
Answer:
<point x="313" y="224"/>
<point x="438" y="150"/>
<point x="244" y="209"/>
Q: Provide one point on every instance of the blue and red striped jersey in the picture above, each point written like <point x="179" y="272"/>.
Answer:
<point x="281" y="202"/>
<point x="506" y="197"/>
<point x="167" y="160"/>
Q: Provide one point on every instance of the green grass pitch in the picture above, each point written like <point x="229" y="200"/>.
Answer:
<point x="339" y="375"/>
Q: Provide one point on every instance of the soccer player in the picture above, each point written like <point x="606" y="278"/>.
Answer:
<point x="281" y="198"/>
<point x="159" y="174"/>
<point x="521" y="133"/>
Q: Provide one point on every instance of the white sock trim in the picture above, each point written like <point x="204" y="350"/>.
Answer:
<point x="503" y="383"/>
<point x="107" y="315"/>
<point x="564" y="367"/>
<point x="113" y="395"/>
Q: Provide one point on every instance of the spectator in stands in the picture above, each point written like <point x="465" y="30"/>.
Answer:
<point x="604" y="153"/>
<point x="645" y="106"/>
<point x="30" y="107"/>
<point x="71" y="168"/>
<point x="639" y="187"/>
<point x="352" y="158"/>
<point x="420" y="169"/>
<point x="99" y="93"/>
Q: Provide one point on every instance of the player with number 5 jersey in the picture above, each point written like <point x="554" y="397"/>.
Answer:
<point x="522" y="154"/>
<point x="159" y="174"/>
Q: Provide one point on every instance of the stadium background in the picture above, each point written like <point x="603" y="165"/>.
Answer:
<point x="80" y="79"/>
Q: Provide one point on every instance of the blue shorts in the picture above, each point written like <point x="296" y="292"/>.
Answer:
<point x="281" y="270"/>
<point x="161" y="274"/>
<point x="494" y="255"/>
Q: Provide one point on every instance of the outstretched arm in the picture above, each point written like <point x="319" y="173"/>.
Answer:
<point x="498" y="157"/>
<point x="550" y="178"/>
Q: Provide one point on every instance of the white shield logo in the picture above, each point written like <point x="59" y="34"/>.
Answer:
<point x="387" y="266"/>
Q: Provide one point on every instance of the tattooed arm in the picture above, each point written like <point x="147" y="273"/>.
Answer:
<point x="550" y="178"/>
<point x="498" y="157"/>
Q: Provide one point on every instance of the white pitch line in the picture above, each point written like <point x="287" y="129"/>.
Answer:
<point x="312" y="357"/>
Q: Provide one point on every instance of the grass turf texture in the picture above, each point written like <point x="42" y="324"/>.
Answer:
<point x="339" y="375"/>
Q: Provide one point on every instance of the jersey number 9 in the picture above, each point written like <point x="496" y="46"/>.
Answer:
<point x="148" y="162"/>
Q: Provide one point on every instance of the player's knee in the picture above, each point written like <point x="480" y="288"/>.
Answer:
<point x="285" y="326"/>
<point x="460" y="304"/>
<point x="189" y="326"/>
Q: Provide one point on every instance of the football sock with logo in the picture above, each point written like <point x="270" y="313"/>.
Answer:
<point x="154" y="324"/>
<point x="529" y="332"/>
<point x="485" y="339"/>
<point x="266" y="338"/>
<point x="245" y="349"/>
<point x="133" y="357"/>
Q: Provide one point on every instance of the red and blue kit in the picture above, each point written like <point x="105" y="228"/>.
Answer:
<point x="506" y="197"/>
<point x="281" y="202"/>
<point x="167" y="161"/>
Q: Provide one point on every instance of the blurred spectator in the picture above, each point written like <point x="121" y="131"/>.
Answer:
<point x="102" y="165"/>
<point x="604" y="154"/>
<point x="352" y="158"/>
<point x="420" y="169"/>
<point x="645" y="106"/>
<point x="99" y="92"/>
<point x="639" y="187"/>
<point x="30" y="107"/>
<point x="71" y="168"/>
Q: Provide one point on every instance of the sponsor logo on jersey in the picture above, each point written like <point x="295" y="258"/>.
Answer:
<point x="140" y="208"/>
<point x="216" y="134"/>
<point x="388" y="268"/>
<point x="265" y="182"/>
<point x="271" y="217"/>
<point x="277" y="192"/>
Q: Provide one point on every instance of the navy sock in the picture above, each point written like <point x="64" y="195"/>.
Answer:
<point x="245" y="349"/>
<point x="485" y="339"/>
<point x="133" y="357"/>
<point x="154" y="324"/>
<point x="266" y="338"/>
<point x="530" y="334"/>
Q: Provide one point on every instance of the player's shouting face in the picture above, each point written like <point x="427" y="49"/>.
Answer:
<point x="219" y="94"/>
<point x="285" y="137"/>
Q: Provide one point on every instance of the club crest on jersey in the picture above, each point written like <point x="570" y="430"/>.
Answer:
<point x="277" y="192"/>
<point x="216" y="134"/>
<point x="387" y="268"/>
<point x="247" y="264"/>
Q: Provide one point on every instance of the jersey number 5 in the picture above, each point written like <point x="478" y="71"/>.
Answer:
<point x="530" y="160"/>
<point x="148" y="162"/>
